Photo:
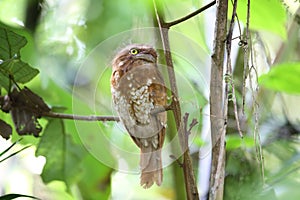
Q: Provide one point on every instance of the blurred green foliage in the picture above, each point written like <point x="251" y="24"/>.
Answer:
<point x="262" y="15"/>
<point x="283" y="78"/>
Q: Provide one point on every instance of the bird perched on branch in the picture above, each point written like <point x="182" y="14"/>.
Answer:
<point x="137" y="89"/>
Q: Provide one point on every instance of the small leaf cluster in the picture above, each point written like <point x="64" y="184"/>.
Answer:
<point x="24" y="105"/>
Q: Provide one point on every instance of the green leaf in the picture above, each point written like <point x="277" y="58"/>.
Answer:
<point x="11" y="43"/>
<point x="11" y="66"/>
<point x="14" y="196"/>
<point x="63" y="157"/>
<point x="269" y="15"/>
<point x="21" y="72"/>
<point x="283" y="78"/>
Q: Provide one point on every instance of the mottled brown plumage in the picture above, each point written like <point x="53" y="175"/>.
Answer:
<point x="137" y="88"/>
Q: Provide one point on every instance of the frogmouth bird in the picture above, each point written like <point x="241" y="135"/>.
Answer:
<point x="138" y="89"/>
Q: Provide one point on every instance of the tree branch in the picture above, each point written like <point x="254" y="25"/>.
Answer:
<point x="98" y="118"/>
<point x="218" y="111"/>
<point x="189" y="177"/>
<point x="80" y="117"/>
<point x="175" y="22"/>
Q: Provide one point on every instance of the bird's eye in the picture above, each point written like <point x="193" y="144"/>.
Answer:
<point x="134" y="51"/>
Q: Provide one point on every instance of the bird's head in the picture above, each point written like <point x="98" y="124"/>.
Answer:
<point x="134" y="55"/>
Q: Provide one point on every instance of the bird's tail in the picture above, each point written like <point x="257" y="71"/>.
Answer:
<point x="151" y="166"/>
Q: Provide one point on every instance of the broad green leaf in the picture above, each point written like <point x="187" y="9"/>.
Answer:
<point x="11" y="66"/>
<point x="269" y="15"/>
<point x="283" y="78"/>
<point x="21" y="72"/>
<point x="14" y="196"/>
<point x="10" y="44"/>
<point x="63" y="157"/>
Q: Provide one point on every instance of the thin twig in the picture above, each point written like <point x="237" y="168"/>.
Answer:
<point x="231" y="26"/>
<point x="176" y="160"/>
<point x="255" y="104"/>
<point x="256" y="135"/>
<point x="246" y="57"/>
<point x="229" y="69"/>
<point x="192" y="124"/>
<point x="169" y="24"/>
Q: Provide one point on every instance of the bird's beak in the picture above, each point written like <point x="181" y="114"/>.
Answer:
<point x="146" y="57"/>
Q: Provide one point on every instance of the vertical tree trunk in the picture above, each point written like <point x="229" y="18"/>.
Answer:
<point x="218" y="108"/>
